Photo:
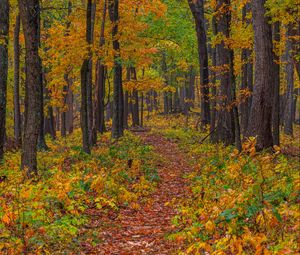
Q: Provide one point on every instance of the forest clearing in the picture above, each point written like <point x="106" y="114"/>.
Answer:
<point x="149" y="127"/>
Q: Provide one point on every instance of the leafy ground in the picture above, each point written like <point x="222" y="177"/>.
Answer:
<point x="164" y="191"/>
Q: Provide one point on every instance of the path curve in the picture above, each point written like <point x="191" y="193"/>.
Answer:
<point x="143" y="231"/>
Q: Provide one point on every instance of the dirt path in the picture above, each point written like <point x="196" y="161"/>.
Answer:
<point x="143" y="231"/>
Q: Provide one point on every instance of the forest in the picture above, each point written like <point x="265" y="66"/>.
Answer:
<point x="149" y="127"/>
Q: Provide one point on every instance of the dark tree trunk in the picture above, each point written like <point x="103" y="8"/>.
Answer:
<point x="118" y="102"/>
<point x="276" y="102"/>
<point x="84" y="107"/>
<point x="289" y="69"/>
<point x="142" y="109"/>
<point x="33" y="85"/>
<point x="237" y="130"/>
<point x="135" y="102"/>
<point x="67" y="86"/>
<point x="100" y="80"/>
<point x="126" y="99"/>
<point x="225" y="116"/>
<point x="91" y="15"/>
<point x="260" y="121"/>
<point x="70" y="112"/>
<point x="135" y="108"/>
<point x="17" y="111"/>
<point x="4" y="32"/>
<point x="63" y="124"/>
<point x="49" y="118"/>
<point x="214" y="85"/>
<point x="86" y="86"/>
<point x="197" y="8"/>
<point x="41" y="138"/>
<point x="191" y="89"/>
<point x="247" y="78"/>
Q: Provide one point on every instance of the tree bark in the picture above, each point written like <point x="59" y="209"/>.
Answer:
<point x="135" y="102"/>
<point x="247" y="78"/>
<point x="17" y="111"/>
<point x="29" y="13"/>
<point x="100" y="79"/>
<point x="260" y="120"/>
<point x="276" y="101"/>
<point x="4" y="32"/>
<point x="289" y="69"/>
<point x="225" y="117"/>
<point x="118" y="99"/>
<point x="197" y="9"/>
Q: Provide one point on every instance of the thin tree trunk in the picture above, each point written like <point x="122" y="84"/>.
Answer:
<point x="276" y="102"/>
<point x="90" y="38"/>
<point x="118" y="102"/>
<point x="100" y="79"/>
<point x="247" y="78"/>
<point x="17" y="111"/>
<point x="70" y="112"/>
<point x="214" y="85"/>
<point x="4" y="32"/>
<point x="142" y="109"/>
<point x="288" y="118"/>
<point x="33" y="82"/>
<point x="197" y="8"/>
<point x="49" y="118"/>
<point x="135" y="102"/>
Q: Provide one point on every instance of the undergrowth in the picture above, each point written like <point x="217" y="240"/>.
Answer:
<point x="240" y="203"/>
<point x="46" y="214"/>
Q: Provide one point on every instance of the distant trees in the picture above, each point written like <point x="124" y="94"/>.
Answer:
<point x="4" y="30"/>
<point x="30" y="15"/>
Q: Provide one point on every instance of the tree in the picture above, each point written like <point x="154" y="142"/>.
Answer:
<point x="260" y="122"/>
<point x="225" y="130"/>
<point x="100" y="79"/>
<point x="29" y="13"/>
<point x="86" y="82"/>
<point x="197" y="9"/>
<point x="4" y="30"/>
<point x="17" y="111"/>
<point x="276" y="101"/>
<point x="118" y="99"/>
<point x="288" y="108"/>
<point x="247" y="75"/>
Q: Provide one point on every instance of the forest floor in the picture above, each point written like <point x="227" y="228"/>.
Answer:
<point x="144" y="230"/>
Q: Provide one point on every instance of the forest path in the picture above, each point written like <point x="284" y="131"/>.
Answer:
<point x="144" y="230"/>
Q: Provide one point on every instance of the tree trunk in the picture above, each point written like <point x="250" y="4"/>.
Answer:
<point x="276" y="102"/>
<point x="17" y="111"/>
<point x="289" y="69"/>
<point x="260" y="119"/>
<point x="49" y="118"/>
<point x="100" y="79"/>
<point x="41" y="138"/>
<point x="4" y="32"/>
<point x="247" y="78"/>
<point x="118" y="102"/>
<point x="197" y="8"/>
<point x="91" y="15"/>
<point x="70" y="112"/>
<point x="135" y="102"/>
<point x="142" y="109"/>
<point x="214" y="85"/>
<point x="33" y="82"/>
<point x="225" y="116"/>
